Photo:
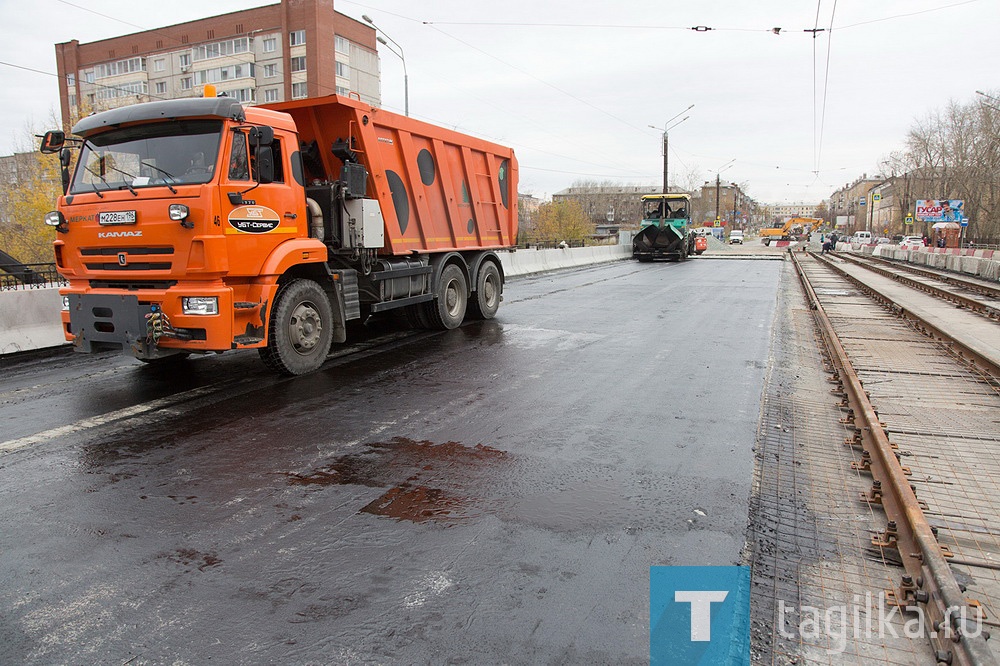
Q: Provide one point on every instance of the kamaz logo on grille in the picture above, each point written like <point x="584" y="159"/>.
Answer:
<point x="122" y="259"/>
<point x="119" y="234"/>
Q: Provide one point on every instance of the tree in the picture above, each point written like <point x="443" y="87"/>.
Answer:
<point x="25" y="198"/>
<point x="562" y="221"/>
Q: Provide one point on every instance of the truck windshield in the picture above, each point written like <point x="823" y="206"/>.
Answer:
<point x="156" y="155"/>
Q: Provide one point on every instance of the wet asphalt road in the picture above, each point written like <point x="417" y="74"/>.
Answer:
<point x="491" y="494"/>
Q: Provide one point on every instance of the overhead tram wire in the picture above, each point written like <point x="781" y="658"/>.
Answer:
<point x="826" y="88"/>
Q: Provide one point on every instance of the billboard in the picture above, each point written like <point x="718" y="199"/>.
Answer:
<point x="940" y="210"/>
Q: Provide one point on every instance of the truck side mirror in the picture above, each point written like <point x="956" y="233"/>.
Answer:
<point x="265" y="164"/>
<point x="261" y="135"/>
<point x="52" y="142"/>
<point x="65" y="156"/>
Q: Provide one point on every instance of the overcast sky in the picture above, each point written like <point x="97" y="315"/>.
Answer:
<point x="573" y="86"/>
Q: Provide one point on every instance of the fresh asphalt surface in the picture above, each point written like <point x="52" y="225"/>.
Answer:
<point x="491" y="494"/>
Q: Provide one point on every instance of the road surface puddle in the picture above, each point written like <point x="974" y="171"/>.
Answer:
<point x="427" y="481"/>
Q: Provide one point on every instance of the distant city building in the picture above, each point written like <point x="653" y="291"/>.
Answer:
<point x="802" y="209"/>
<point x="609" y="206"/>
<point x="735" y="208"/>
<point x="290" y="50"/>
<point x="849" y="205"/>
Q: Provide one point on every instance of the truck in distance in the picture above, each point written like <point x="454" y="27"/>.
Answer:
<point x="199" y="226"/>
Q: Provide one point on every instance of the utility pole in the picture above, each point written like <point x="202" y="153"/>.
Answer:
<point x="666" y="146"/>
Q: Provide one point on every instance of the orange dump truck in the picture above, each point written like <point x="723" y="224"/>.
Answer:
<point x="198" y="225"/>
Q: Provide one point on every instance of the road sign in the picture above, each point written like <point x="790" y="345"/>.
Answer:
<point x="964" y="222"/>
<point x="862" y="201"/>
<point x="876" y="196"/>
<point x="908" y="220"/>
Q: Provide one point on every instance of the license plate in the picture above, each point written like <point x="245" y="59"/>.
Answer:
<point x="116" y="217"/>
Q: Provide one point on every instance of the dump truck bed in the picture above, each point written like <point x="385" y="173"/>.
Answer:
<point x="438" y="189"/>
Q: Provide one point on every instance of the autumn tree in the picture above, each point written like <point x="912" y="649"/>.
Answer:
<point x="954" y="153"/>
<point x="562" y="221"/>
<point x="30" y="191"/>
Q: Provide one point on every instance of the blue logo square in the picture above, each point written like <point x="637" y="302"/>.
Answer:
<point x="699" y="615"/>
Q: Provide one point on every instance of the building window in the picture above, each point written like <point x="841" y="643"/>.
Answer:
<point x="342" y="91"/>
<point x="270" y="71"/>
<point x="299" y="64"/>
<point x="123" y="90"/>
<point x="342" y="45"/>
<point x="242" y="95"/>
<point x="224" y="73"/>
<point x="71" y="79"/>
<point x="297" y="38"/>
<point x="72" y="101"/>
<point x="159" y="65"/>
<point x="270" y="45"/>
<point x="185" y="60"/>
<point x="342" y="69"/>
<point x="186" y="83"/>
<point x="121" y="67"/>
<point x="88" y="77"/>
<point x="161" y="88"/>
<point x="271" y="95"/>
<point x="299" y="90"/>
<point x="219" y="49"/>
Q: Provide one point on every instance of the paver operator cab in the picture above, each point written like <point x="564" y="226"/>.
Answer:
<point x="198" y="225"/>
<point x="665" y="231"/>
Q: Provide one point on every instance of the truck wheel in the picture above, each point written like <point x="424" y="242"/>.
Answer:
<point x="416" y="316"/>
<point x="489" y="287"/>
<point x="300" y="329"/>
<point x="448" y="310"/>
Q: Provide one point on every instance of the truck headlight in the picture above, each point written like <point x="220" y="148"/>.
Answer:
<point x="200" y="305"/>
<point x="178" y="212"/>
<point x="54" y="219"/>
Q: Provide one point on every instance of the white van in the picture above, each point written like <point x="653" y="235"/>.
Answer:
<point x="736" y="236"/>
<point x="862" y="237"/>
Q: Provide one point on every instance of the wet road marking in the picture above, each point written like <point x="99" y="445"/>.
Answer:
<point x="103" y="419"/>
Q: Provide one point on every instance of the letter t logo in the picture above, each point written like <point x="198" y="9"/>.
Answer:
<point x="701" y="606"/>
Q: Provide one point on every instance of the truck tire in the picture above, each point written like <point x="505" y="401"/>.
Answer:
<point x="416" y="316"/>
<point x="448" y="310"/>
<point x="489" y="287"/>
<point x="300" y="329"/>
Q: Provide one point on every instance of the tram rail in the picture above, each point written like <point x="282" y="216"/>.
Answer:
<point x="942" y="505"/>
<point x="986" y="300"/>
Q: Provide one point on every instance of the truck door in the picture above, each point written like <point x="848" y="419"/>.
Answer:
<point x="257" y="217"/>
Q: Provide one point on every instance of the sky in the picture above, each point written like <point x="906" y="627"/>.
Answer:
<point x="574" y="87"/>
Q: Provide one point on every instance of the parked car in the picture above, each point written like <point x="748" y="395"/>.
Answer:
<point x="911" y="243"/>
<point x="736" y="236"/>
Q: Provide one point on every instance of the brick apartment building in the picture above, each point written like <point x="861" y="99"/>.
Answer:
<point x="293" y="49"/>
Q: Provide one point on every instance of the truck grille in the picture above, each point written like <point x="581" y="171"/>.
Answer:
<point x="125" y="258"/>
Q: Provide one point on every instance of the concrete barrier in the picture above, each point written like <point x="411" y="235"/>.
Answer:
<point x="29" y="319"/>
<point x="527" y="262"/>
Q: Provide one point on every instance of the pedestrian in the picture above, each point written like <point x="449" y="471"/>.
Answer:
<point x="927" y="240"/>
<point x="941" y="242"/>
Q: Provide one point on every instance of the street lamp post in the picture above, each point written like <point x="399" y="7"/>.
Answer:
<point x="666" y="156"/>
<point x="406" y="77"/>
<point x="717" y="181"/>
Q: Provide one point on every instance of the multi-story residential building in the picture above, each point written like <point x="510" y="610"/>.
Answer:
<point x="609" y="205"/>
<point x="786" y="210"/>
<point x="850" y="205"/>
<point x="727" y="201"/>
<point x="289" y="50"/>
